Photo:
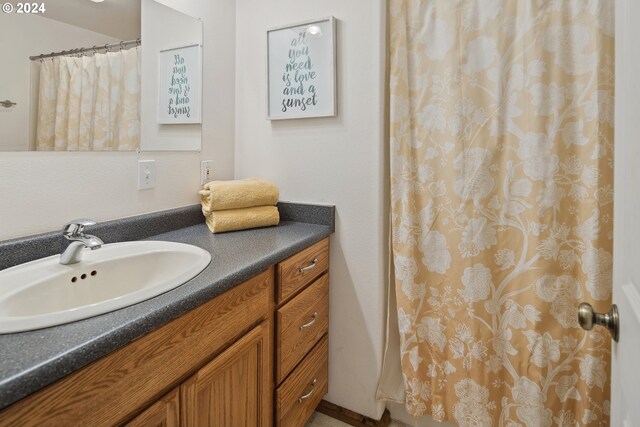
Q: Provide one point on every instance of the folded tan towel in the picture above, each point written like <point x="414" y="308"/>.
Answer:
<point x="242" y="193"/>
<point x="242" y="219"/>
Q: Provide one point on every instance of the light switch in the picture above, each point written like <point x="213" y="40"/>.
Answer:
<point x="146" y="174"/>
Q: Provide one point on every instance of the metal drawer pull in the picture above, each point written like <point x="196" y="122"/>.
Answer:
<point x="308" y="395"/>
<point x="313" y="264"/>
<point x="314" y="317"/>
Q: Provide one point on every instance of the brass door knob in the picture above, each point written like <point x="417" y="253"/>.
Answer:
<point x="587" y="318"/>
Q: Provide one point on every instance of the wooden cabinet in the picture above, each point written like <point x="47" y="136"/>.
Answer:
<point x="299" y="270"/>
<point x="302" y="323"/>
<point x="233" y="389"/>
<point x="299" y="395"/>
<point x="164" y="413"/>
<point x="220" y="365"/>
<point x="122" y="385"/>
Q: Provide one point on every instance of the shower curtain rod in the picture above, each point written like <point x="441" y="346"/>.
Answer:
<point x="93" y="49"/>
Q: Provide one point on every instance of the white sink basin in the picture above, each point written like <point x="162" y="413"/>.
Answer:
<point x="44" y="293"/>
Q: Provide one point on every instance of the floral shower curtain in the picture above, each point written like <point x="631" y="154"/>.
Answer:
<point x="501" y="125"/>
<point x="90" y="103"/>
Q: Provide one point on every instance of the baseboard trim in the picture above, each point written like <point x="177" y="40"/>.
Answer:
<point x="352" y="418"/>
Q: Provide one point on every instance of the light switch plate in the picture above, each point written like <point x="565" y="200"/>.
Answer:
<point x="146" y="174"/>
<point x="206" y="171"/>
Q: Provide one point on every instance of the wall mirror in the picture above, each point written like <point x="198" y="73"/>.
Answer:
<point x="81" y="75"/>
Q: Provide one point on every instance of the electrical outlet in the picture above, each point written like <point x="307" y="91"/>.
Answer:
<point x="146" y="174"/>
<point x="206" y="171"/>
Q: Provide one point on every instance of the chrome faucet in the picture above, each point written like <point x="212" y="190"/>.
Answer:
<point x="74" y="232"/>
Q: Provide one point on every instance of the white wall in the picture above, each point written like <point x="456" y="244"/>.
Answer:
<point x="41" y="191"/>
<point x="329" y="160"/>
<point x="23" y="36"/>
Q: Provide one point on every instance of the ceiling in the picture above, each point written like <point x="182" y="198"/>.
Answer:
<point x="115" y="18"/>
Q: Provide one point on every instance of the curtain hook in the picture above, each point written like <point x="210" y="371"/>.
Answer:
<point x="121" y="45"/>
<point x="138" y="41"/>
<point x="41" y="58"/>
<point x="106" y="47"/>
<point x="95" y="49"/>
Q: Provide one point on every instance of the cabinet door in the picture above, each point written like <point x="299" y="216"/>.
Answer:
<point x="163" y="413"/>
<point x="234" y="389"/>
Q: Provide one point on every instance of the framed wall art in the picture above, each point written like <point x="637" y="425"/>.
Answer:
<point x="301" y="70"/>
<point x="180" y="80"/>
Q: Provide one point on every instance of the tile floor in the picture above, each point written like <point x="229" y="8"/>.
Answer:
<point x="322" y="420"/>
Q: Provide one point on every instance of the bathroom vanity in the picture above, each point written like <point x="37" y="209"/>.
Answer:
<point x="237" y="351"/>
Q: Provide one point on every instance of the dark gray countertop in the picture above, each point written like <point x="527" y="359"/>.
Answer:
<point x="31" y="360"/>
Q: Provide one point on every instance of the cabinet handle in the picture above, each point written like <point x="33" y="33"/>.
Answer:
<point x="308" y="395"/>
<point x="313" y="264"/>
<point x="314" y="317"/>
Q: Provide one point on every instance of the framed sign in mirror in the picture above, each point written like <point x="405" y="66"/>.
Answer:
<point x="180" y="82"/>
<point x="301" y="70"/>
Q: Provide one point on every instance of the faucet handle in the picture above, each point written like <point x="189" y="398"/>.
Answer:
<point x="76" y="227"/>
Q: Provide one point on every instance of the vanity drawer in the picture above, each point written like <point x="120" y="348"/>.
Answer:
<point x="299" y="325"/>
<point x="300" y="269"/>
<point x="301" y="393"/>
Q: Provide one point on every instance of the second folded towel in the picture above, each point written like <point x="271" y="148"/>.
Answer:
<point x="241" y="219"/>
<point x="242" y="193"/>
